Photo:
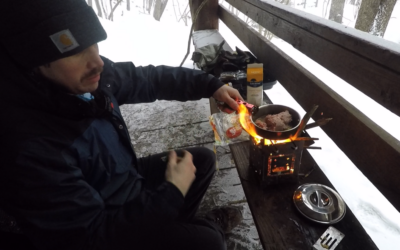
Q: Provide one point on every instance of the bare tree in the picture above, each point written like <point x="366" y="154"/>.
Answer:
<point x="90" y="3"/>
<point x="149" y="5"/>
<point x="111" y="16"/>
<point x="173" y="5"/>
<point x="128" y="5"/>
<point x="99" y="12"/>
<point x="383" y="17"/>
<point x="104" y="9"/>
<point x="159" y="8"/>
<point x="181" y="16"/>
<point x="185" y="15"/>
<point x="336" y="12"/>
<point x="373" y="16"/>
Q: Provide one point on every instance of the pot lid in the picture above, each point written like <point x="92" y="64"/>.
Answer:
<point x="319" y="203"/>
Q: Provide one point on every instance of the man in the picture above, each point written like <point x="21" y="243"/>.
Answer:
<point x="68" y="172"/>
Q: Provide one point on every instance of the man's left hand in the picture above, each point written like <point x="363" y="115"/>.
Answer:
<point x="228" y="95"/>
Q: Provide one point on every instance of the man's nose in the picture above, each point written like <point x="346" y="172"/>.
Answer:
<point x="94" y="60"/>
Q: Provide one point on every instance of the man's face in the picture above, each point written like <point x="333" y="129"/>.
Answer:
<point x="79" y="73"/>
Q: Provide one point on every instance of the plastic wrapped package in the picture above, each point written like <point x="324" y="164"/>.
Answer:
<point x="227" y="129"/>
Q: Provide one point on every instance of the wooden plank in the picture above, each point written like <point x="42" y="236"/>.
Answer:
<point x="280" y="226"/>
<point x="366" y="62"/>
<point x="375" y="48"/>
<point x="207" y="18"/>
<point x="375" y="152"/>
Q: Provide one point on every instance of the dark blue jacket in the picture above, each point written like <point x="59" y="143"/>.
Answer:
<point x="68" y="171"/>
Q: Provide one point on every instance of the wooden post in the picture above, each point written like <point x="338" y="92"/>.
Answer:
<point x="208" y="15"/>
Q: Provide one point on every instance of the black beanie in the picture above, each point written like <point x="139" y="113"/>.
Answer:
<point x="36" y="32"/>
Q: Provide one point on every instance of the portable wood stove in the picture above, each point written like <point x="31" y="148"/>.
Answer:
<point x="276" y="158"/>
<point x="276" y="163"/>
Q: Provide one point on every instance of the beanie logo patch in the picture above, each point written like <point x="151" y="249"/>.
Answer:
<point x="64" y="41"/>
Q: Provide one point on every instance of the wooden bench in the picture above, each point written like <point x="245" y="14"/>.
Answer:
<point x="368" y="63"/>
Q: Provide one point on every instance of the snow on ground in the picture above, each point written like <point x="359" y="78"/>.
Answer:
<point x="139" y="38"/>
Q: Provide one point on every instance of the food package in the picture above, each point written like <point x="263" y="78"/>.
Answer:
<point x="227" y="129"/>
<point x="255" y="83"/>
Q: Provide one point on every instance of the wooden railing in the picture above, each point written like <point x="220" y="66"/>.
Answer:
<point x="370" y="64"/>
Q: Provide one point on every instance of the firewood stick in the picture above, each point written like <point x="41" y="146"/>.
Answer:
<point x="304" y="121"/>
<point x="313" y="147"/>
<point x="318" y="123"/>
<point x="305" y="139"/>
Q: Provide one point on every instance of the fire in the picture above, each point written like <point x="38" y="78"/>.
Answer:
<point x="248" y="126"/>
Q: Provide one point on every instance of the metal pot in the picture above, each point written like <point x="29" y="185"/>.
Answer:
<point x="272" y="109"/>
<point x="319" y="203"/>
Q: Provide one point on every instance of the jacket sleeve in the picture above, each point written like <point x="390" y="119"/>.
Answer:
<point x="132" y="84"/>
<point x="57" y="209"/>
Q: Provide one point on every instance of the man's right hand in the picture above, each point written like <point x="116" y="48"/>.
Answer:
<point x="181" y="172"/>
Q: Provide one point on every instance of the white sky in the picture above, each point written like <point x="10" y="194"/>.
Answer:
<point x="137" y="37"/>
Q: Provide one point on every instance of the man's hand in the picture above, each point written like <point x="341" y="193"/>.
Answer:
<point x="228" y="95"/>
<point x="180" y="172"/>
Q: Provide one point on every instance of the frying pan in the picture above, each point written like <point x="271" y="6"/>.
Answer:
<point x="272" y="109"/>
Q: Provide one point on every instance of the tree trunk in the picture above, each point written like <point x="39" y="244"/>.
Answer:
<point x="90" y="3"/>
<point x="208" y="15"/>
<point x="128" y="5"/>
<point x="383" y="17"/>
<point x="374" y="16"/>
<point x="149" y="4"/>
<point x="104" y="9"/>
<point x="336" y="12"/>
<point x="366" y="15"/>
<point x="111" y="16"/>
<point x="159" y="8"/>
<point x="99" y="12"/>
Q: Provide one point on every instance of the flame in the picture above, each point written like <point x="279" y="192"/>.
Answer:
<point x="249" y="127"/>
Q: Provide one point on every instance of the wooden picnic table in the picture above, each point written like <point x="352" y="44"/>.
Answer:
<point x="279" y="224"/>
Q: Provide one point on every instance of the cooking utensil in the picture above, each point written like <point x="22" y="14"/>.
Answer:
<point x="319" y="203"/>
<point x="272" y="109"/>
<point x="330" y="239"/>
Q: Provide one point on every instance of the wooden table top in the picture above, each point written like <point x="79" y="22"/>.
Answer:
<point x="279" y="224"/>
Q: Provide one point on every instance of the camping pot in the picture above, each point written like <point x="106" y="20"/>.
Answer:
<point x="272" y="109"/>
<point x="319" y="203"/>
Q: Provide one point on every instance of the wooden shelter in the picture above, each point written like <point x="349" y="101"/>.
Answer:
<point x="368" y="63"/>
